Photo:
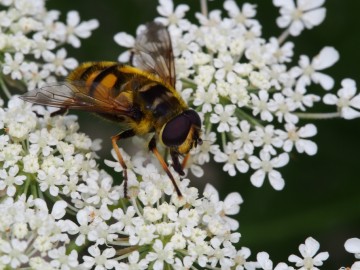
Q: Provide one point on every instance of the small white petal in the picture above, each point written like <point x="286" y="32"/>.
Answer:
<point x="327" y="57"/>
<point x="324" y="80"/>
<point x="309" y="147"/>
<point x="276" y="180"/>
<point x="314" y="17"/>
<point x="58" y="210"/>
<point x="310" y="4"/>
<point x="307" y="131"/>
<point x="124" y="40"/>
<point x="232" y="203"/>
<point x="280" y="160"/>
<point x="257" y="179"/>
<point x="349" y="113"/>
<point x="330" y="99"/>
<point x="352" y="245"/>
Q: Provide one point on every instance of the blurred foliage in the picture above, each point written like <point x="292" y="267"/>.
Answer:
<point x="321" y="197"/>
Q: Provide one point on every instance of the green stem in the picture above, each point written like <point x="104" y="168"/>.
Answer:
<point x="319" y="115"/>
<point x="27" y="184"/>
<point x="4" y="87"/>
<point x="204" y="8"/>
<point x="283" y="36"/>
<point x="240" y="114"/>
<point x="189" y="82"/>
<point x="223" y="139"/>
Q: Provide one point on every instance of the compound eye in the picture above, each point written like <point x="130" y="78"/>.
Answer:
<point x="193" y="117"/>
<point x="176" y="130"/>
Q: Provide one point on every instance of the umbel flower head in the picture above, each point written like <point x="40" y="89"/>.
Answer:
<point x="251" y="97"/>
<point x="32" y="42"/>
<point x="250" y="91"/>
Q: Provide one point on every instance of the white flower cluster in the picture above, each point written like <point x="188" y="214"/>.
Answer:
<point x="32" y="237"/>
<point x="32" y="39"/>
<point x="46" y="155"/>
<point x="249" y="90"/>
<point x="156" y="231"/>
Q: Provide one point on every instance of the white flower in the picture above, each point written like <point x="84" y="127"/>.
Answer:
<point x="58" y="62"/>
<point x="223" y="116"/>
<point x="283" y="108"/>
<point x="62" y="260"/>
<point x="244" y="16"/>
<point x="13" y="253"/>
<point x="134" y="263"/>
<point x="76" y="29"/>
<point x="14" y="65"/>
<point x="171" y="16"/>
<point x="223" y="255"/>
<point x="299" y="96"/>
<point x="308" y="251"/>
<point x="306" y="14"/>
<point x="295" y="137"/>
<point x="268" y="138"/>
<point x="8" y="180"/>
<point x="41" y="141"/>
<point x="162" y="254"/>
<point x="42" y="46"/>
<point x="261" y="105"/>
<point x="233" y="157"/>
<point x="101" y="260"/>
<point x="309" y="71"/>
<point x="225" y="68"/>
<point x="259" y="80"/>
<point x="243" y="133"/>
<point x="204" y="75"/>
<point x="346" y="100"/>
<point x="280" y="54"/>
<point x="264" y="261"/>
<point x="35" y="77"/>
<point x="206" y="98"/>
<point x="265" y="166"/>
<point x="240" y="258"/>
<point x="51" y="179"/>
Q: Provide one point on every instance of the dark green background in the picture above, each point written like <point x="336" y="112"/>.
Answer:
<point x="321" y="196"/>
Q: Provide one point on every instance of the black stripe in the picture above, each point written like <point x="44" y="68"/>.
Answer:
<point x="121" y="78"/>
<point x="109" y="70"/>
<point x="87" y="72"/>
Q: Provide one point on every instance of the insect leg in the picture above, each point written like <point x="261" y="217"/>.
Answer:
<point x="62" y="111"/>
<point x="176" y="163"/>
<point x="152" y="148"/>
<point x="123" y="135"/>
<point x="186" y="158"/>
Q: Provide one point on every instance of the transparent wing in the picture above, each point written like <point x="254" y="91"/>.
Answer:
<point x="75" y="95"/>
<point x="153" y="52"/>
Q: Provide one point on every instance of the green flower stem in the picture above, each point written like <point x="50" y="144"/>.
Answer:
<point x="136" y="206"/>
<point x="240" y="114"/>
<point x="319" y="115"/>
<point x="27" y="184"/>
<point x="283" y="36"/>
<point x="34" y="191"/>
<point x="190" y="83"/>
<point x="204" y="7"/>
<point x="223" y="139"/>
<point x="4" y="87"/>
<point x="125" y="252"/>
<point x="71" y="209"/>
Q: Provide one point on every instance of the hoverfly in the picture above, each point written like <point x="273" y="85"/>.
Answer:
<point x="142" y="96"/>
